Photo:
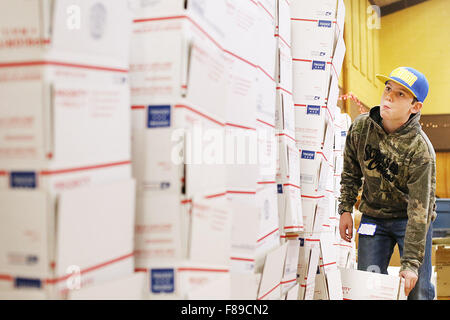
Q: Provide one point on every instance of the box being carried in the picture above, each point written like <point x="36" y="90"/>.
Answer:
<point x="363" y="285"/>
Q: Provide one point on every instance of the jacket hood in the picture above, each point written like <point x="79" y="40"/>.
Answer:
<point x="410" y="126"/>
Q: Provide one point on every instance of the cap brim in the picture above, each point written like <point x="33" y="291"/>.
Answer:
<point x="384" y="78"/>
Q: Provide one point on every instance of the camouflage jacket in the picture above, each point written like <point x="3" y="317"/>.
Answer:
<point x="399" y="178"/>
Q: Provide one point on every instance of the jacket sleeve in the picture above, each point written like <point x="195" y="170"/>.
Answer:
<point x="419" y="186"/>
<point x="351" y="174"/>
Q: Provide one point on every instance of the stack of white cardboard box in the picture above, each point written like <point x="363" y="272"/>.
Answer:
<point x="204" y="146"/>
<point x="317" y="50"/>
<point x="66" y="191"/>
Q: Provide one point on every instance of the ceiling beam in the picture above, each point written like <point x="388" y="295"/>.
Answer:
<point x="397" y="6"/>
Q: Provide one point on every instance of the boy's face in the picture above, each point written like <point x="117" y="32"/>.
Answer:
<point x="396" y="103"/>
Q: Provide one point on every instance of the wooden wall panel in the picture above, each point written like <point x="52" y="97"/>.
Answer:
<point x="443" y="174"/>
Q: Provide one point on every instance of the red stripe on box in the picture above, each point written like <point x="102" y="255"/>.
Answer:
<point x="281" y="38"/>
<point x="186" y="201"/>
<point x="288" y="281"/>
<point x="216" y="195"/>
<point x="312" y="197"/>
<point x="3" y="173"/>
<point x="242" y="59"/>
<point x="99" y="166"/>
<point x="137" y="107"/>
<point x="272" y="232"/>
<point x="266" y="123"/>
<point x="241" y="192"/>
<point x="202" y="270"/>
<point x="301" y="60"/>
<point x="199" y="113"/>
<point x="238" y="126"/>
<point x="262" y="297"/>
<point x="281" y="88"/>
<point x="298" y="19"/>
<point x="265" y="72"/>
<point x="266" y="182"/>
<point x="327" y="264"/>
<point x="242" y="259"/>
<point x="268" y="12"/>
<point x="292" y="185"/>
<point x="62" y="64"/>
<point x="6" y="277"/>
<point x="312" y="240"/>
<point x="158" y="19"/>
<point x="140" y="270"/>
<point x="292" y="227"/>
<point x="284" y="134"/>
<point x="96" y="267"/>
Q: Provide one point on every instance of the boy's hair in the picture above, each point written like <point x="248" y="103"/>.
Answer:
<point x="414" y="100"/>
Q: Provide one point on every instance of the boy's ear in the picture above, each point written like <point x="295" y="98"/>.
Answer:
<point x="416" y="107"/>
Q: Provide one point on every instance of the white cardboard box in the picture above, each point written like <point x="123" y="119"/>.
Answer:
<point x="310" y="81"/>
<point x="244" y="286"/>
<point x="94" y="33"/>
<point x="55" y="181"/>
<point x="57" y="248"/>
<point x="185" y="64"/>
<point x="130" y="287"/>
<point x="289" y="279"/>
<point x="245" y="232"/>
<point x="182" y="279"/>
<point x="284" y="22"/>
<point x="70" y="117"/>
<point x="285" y="115"/>
<point x="363" y="285"/>
<point x="191" y="150"/>
<point x="167" y="229"/>
<point x="272" y="274"/>
<point x="320" y="9"/>
<point x="312" y="39"/>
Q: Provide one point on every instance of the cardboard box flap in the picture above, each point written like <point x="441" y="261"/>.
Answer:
<point x="24" y="233"/>
<point x="210" y="236"/>
<point x="272" y="274"/>
<point x="130" y="287"/>
<point x="85" y="211"/>
<point x="21" y="125"/>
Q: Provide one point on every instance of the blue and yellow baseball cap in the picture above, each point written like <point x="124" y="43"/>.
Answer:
<point x="411" y="79"/>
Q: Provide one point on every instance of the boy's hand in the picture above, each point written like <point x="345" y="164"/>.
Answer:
<point x="346" y="226"/>
<point x="410" y="280"/>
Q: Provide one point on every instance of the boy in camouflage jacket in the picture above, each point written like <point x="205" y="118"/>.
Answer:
<point x="388" y="149"/>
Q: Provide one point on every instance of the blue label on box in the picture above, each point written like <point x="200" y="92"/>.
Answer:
<point x="31" y="259"/>
<point x="313" y="110"/>
<point x="324" y="24"/>
<point x="158" y="116"/>
<point x="309" y="155"/>
<point x="318" y="65"/>
<point x="280" y="188"/>
<point x="23" y="180"/>
<point x="27" y="283"/>
<point x="343" y="133"/>
<point x="164" y="185"/>
<point x="162" y="280"/>
<point x="302" y="242"/>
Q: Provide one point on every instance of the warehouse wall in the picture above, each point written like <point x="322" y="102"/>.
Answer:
<point x="418" y="37"/>
<point x="421" y="40"/>
<point x="362" y="59"/>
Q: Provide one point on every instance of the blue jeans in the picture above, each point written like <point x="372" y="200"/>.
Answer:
<point x="374" y="253"/>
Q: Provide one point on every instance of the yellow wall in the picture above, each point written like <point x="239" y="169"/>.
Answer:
<point x="361" y="61"/>
<point x="419" y="37"/>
